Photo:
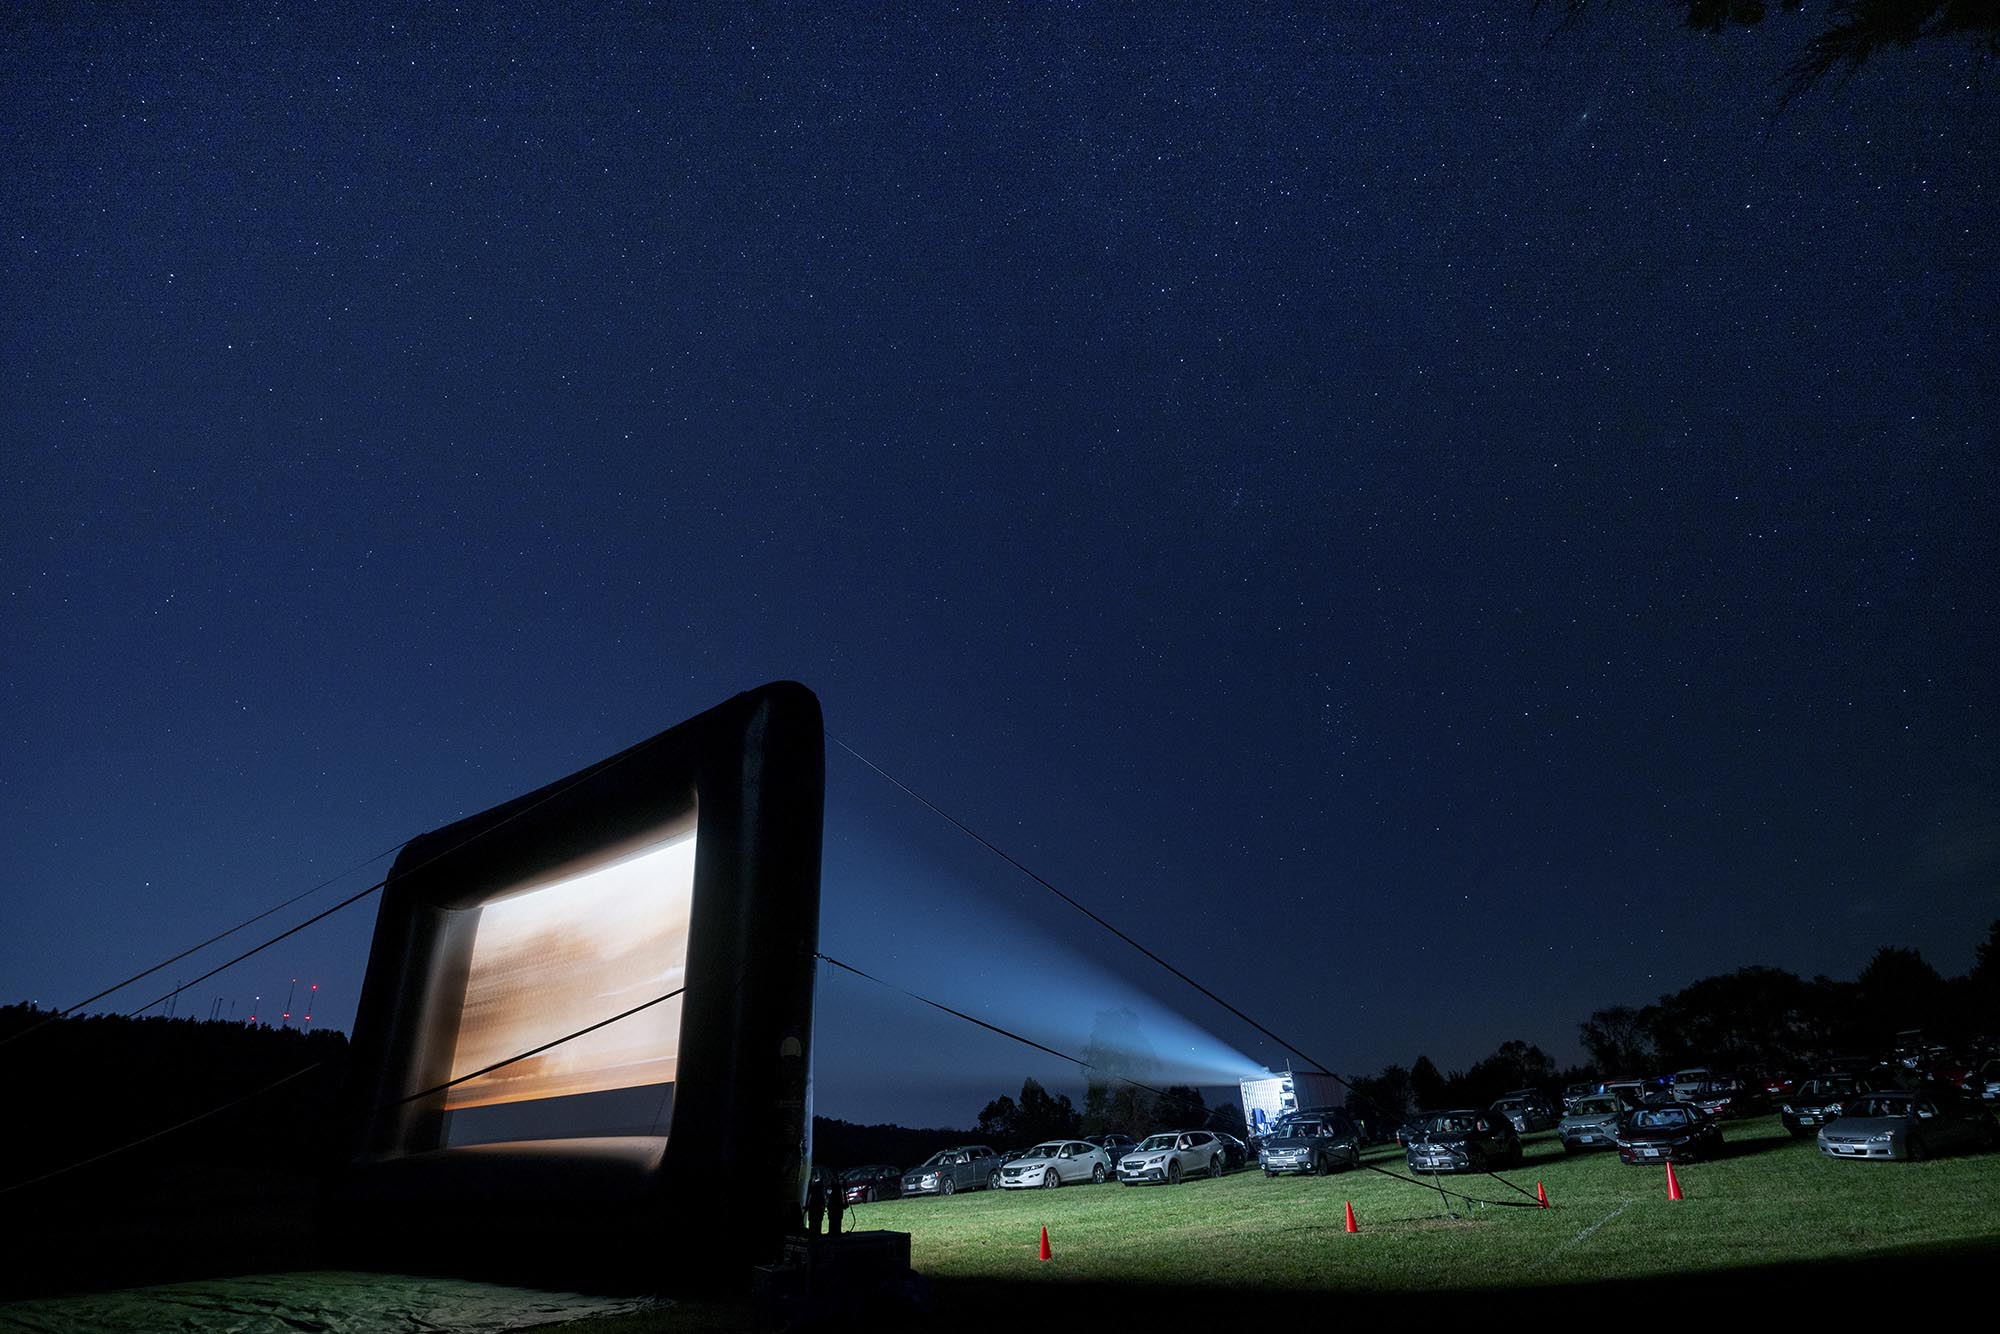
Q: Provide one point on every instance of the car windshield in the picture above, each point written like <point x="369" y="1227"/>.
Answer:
<point x="857" y="1173"/>
<point x="1448" y="1125"/>
<point x="1656" y="1117"/>
<point x="1879" y="1106"/>
<point x="1827" y="1087"/>
<point x="1594" y="1106"/>
<point x="1042" y="1151"/>
<point x="938" y="1159"/>
<point x="1157" y="1144"/>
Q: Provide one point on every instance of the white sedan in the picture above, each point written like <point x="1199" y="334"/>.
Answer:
<point x="1056" y="1162"/>
<point x="1167" y="1158"/>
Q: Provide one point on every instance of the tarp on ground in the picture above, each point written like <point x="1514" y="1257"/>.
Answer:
<point x="319" y="1302"/>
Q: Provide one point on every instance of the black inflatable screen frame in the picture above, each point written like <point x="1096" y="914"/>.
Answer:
<point x="728" y="1183"/>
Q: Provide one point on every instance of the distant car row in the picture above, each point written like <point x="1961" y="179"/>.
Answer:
<point x="1851" y="1119"/>
<point x="1721" y="1094"/>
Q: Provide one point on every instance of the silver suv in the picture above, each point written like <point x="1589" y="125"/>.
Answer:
<point x="948" y="1171"/>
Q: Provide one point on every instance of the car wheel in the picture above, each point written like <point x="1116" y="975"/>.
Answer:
<point x="993" y="1179"/>
<point x="1051" y="1179"/>
<point x="1269" y="1173"/>
<point x="1914" y="1151"/>
<point x="1475" y="1160"/>
<point x="1174" y="1173"/>
<point x="1215" y="1166"/>
<point x="947" y="1187"/>
<point x="869" y="1196"/>
<point x="1354" y="1158"/>
<point x="1097" y="1175"/>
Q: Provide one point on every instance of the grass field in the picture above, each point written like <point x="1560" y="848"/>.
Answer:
<point x="1771" y="1229"/>
<point x="1772" y="1223"/>
<point x="1771" y="1200"/>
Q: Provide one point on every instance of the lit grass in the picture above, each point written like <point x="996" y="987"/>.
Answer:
<point x="1770" y="1201"/>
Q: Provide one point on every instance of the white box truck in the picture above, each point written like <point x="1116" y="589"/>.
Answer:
<point x="1271" y="1097"/>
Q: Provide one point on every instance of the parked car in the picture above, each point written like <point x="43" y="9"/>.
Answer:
<point x="1723" y="1095"/>
<point x="1056" y="1162"/>
<point x="1114" y="1146"/>
<point x="865" y="1185"/>
<point x="1463" y="1139"/>
<point x="1778" y="1083"/>
<point x="949" y="1171"/>
<point x="1592" y="1123"/>
<point x="1674" y="1132"/>
<point x="1525" y="1114"/>
<point x="1908" y="1127"/>
<point x="1536" y="1096"/>
<point x="1315" y="1144"/>
<point x="1818" y="1101"/>
<point x="1235" y="1153"/>
<point x="1572" y="1093"/>
<point x="1631" y="1092"/>
<point x="1692" y="1080"/>
<point x="1984" y="1083"/>
<point x="1166" y="1158"/>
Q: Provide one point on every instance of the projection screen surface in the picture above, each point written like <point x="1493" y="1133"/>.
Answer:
<point x="558" y="958"/>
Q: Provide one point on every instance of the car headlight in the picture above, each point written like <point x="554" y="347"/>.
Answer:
<point x="1883" y="1138"/>
<point x="1787" y="1110"/>
<point x="930" y="1179"/>
<point x="1832" y="1109"/>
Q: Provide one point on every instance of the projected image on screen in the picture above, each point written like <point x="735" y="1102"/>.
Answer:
<point x="560" y="958"/>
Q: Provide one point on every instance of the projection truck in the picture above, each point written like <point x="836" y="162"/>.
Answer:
<point x="1270" y="1098"/>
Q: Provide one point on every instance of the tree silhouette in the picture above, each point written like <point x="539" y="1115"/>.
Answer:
<point x="1426" y="1084"/>
<point x="1856" y="29"/>
<point x="1618" y="1041"/>
<point x="1899" y="990"/>
<point x="1121" y="1063"/>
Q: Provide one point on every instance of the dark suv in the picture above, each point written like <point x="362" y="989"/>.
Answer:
<point x="1315" y="1143"/>
<point x="1817" y="1101"/>
<point x="1463" y="1139"/>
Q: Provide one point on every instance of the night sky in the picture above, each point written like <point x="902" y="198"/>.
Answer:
<point x="1434" y="523"/>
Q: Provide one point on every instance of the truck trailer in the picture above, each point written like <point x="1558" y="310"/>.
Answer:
<point x="1269" y="1098"/>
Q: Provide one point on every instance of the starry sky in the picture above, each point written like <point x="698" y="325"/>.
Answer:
<point x="1433" y="522"/>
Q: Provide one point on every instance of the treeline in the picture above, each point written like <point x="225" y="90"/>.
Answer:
<point x="1754" y="1018"/>
<point x="77" y="1087"/>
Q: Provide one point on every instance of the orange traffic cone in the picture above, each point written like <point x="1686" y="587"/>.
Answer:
<point x="1047" y="1254"/>
<point x="1541" y="1196"/>
<point x="1673" y="1184"/>
<point x="1350" y="1217"/>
